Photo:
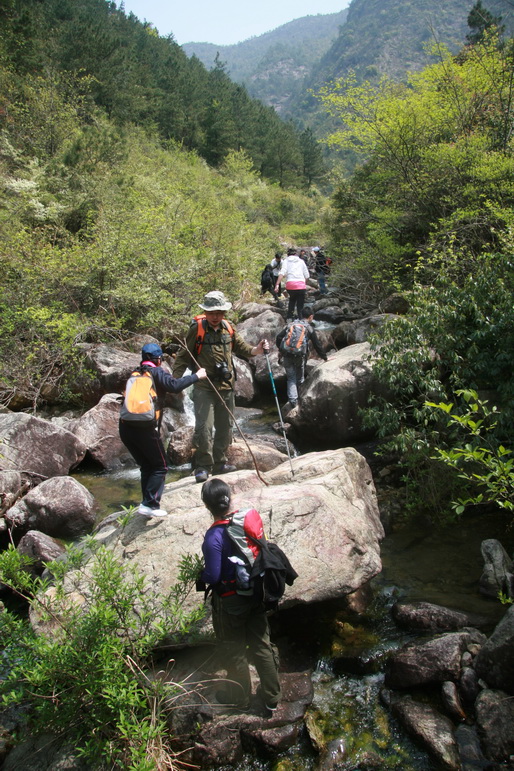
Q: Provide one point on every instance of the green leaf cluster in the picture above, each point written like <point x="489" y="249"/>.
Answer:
<point x="83" y="672"/>
<point x="487" y="466"/>
<point x="436" y="161"/>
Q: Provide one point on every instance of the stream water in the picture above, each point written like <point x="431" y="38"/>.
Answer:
<point x="345" y="651"/>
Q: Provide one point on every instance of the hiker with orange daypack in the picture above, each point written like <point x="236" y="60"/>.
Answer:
<point x="140" y="423"/>
<point x="293" y="345"/>
<point x="210" y="343"/>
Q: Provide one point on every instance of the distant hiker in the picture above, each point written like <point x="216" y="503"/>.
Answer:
<point x="293" y="345"/>
<point x="304" y="256"/>
<point x="296" y="274"/>
<point x="268" y="281"/>
<point x="211" y="341"/>
<point x="240" y="621"/>
<point x="140" y="431"/>
<point x="322" y="268"/>
<point x="276" y="264"/>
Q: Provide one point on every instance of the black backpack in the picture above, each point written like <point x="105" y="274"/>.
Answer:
<point x="273" y="571"/>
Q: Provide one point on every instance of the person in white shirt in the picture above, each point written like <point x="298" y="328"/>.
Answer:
<point x="296" y="273"/>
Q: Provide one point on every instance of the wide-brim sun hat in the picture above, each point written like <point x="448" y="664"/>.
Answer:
<point x="215" y="301"/>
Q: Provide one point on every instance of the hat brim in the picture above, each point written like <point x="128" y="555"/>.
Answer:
<point x="226" y="307"/>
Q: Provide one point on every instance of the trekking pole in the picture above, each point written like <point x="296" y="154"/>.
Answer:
<point x="282" y="426"/>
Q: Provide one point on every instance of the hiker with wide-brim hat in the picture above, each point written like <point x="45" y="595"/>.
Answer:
<point x="211" y="343"/>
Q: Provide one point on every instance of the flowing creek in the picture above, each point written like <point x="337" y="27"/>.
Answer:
<point x="346" y="651"/>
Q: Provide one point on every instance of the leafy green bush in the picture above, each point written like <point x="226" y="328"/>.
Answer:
<point x="458" y="335"/>
<point x="482" y="462"/>
<point x="83" y="674"/>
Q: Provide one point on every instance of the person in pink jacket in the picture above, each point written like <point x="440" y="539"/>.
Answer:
<point x="296" y="273"/>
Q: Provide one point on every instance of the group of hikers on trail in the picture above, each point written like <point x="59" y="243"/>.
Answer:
<point x="296" y="268"/>
<point x="239" y="618"/>
<point x="210" y="344"/>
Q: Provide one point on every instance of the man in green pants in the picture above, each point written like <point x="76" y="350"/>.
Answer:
<point x="210" y="343"/>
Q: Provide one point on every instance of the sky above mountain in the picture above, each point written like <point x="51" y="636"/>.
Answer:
<point x="226" y="21"/>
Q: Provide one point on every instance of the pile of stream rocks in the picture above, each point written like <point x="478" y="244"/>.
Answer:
<point x="321" y="507"/>
<point x="474" y="676"/>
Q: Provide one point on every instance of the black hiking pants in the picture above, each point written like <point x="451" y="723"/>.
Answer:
<point x="145" y="445"/>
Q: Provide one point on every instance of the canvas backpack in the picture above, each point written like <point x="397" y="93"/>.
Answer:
<point x="261" y="566"/>
<point x="295" y="340"/>
<point x="140" y="398"/>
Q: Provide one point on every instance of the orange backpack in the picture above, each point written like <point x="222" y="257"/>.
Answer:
<point x="140" y="402"/>
<point x="201" y="322"/>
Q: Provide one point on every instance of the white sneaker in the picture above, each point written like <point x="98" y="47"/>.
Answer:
<point x="146" y="511"/>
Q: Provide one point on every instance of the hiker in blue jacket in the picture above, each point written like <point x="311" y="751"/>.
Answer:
<point x="142" y="439"/>
<point x="240" y="621"/>
<point x="295" y="365"/>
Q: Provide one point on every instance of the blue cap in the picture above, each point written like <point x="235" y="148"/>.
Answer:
<point x="152" y="349"/>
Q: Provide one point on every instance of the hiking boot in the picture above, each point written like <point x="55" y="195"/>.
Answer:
<point x="269" y="709"/>
<point x="225" y="468"/>
<point x="201" y="475"/>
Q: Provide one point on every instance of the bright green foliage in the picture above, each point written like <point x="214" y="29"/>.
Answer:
<point x="137" y="77"/>
<point x="84" y="673"/>
<point x="438" y="162"/>
<point x="108" y="233"/>
<point x="482" y="462"/>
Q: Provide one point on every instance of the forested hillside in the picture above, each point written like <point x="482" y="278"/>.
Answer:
<point x="135" y="76"/>
<point x="129" y="182"/>
<point x="273" y="66"/>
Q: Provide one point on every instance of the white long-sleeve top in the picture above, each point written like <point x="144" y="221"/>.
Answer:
<point x="295" y="272"/>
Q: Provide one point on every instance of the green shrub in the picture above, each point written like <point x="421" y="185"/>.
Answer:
<point x="84" y="674"/>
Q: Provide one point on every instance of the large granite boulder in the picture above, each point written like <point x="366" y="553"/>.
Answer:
<point x="363" y="328"/>
<point x="40" y="548"/>
<point x="332" y="396"/>
<point x="251" y="310"/>
<point x="325" y="517"/>
<point x="498" y="569"/>
<point x="110" y="368"/>
<point x="495" y="723"/>
<point x="98" y="430"/>
<point x="430" y="728"/>
<point x="60" y="507"/>
<point x="244" y="386"/>
<point x="37" y="447"/>
<point x="434" y="661"/>
<point x="427" y="617"/>
<point x="266" y="325"/>
<point x="495" y="661"/>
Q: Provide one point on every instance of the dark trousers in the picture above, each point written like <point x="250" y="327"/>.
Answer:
<point x="296" y="298"/>
<point x="242" y="630"/>
<point x="145" y="445"/>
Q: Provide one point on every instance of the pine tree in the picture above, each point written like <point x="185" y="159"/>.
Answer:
<point x="480" y="20"/>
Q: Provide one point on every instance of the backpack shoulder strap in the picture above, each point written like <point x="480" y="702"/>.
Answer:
<point x="230" y="329"/>
<point x="201" y="326"/>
